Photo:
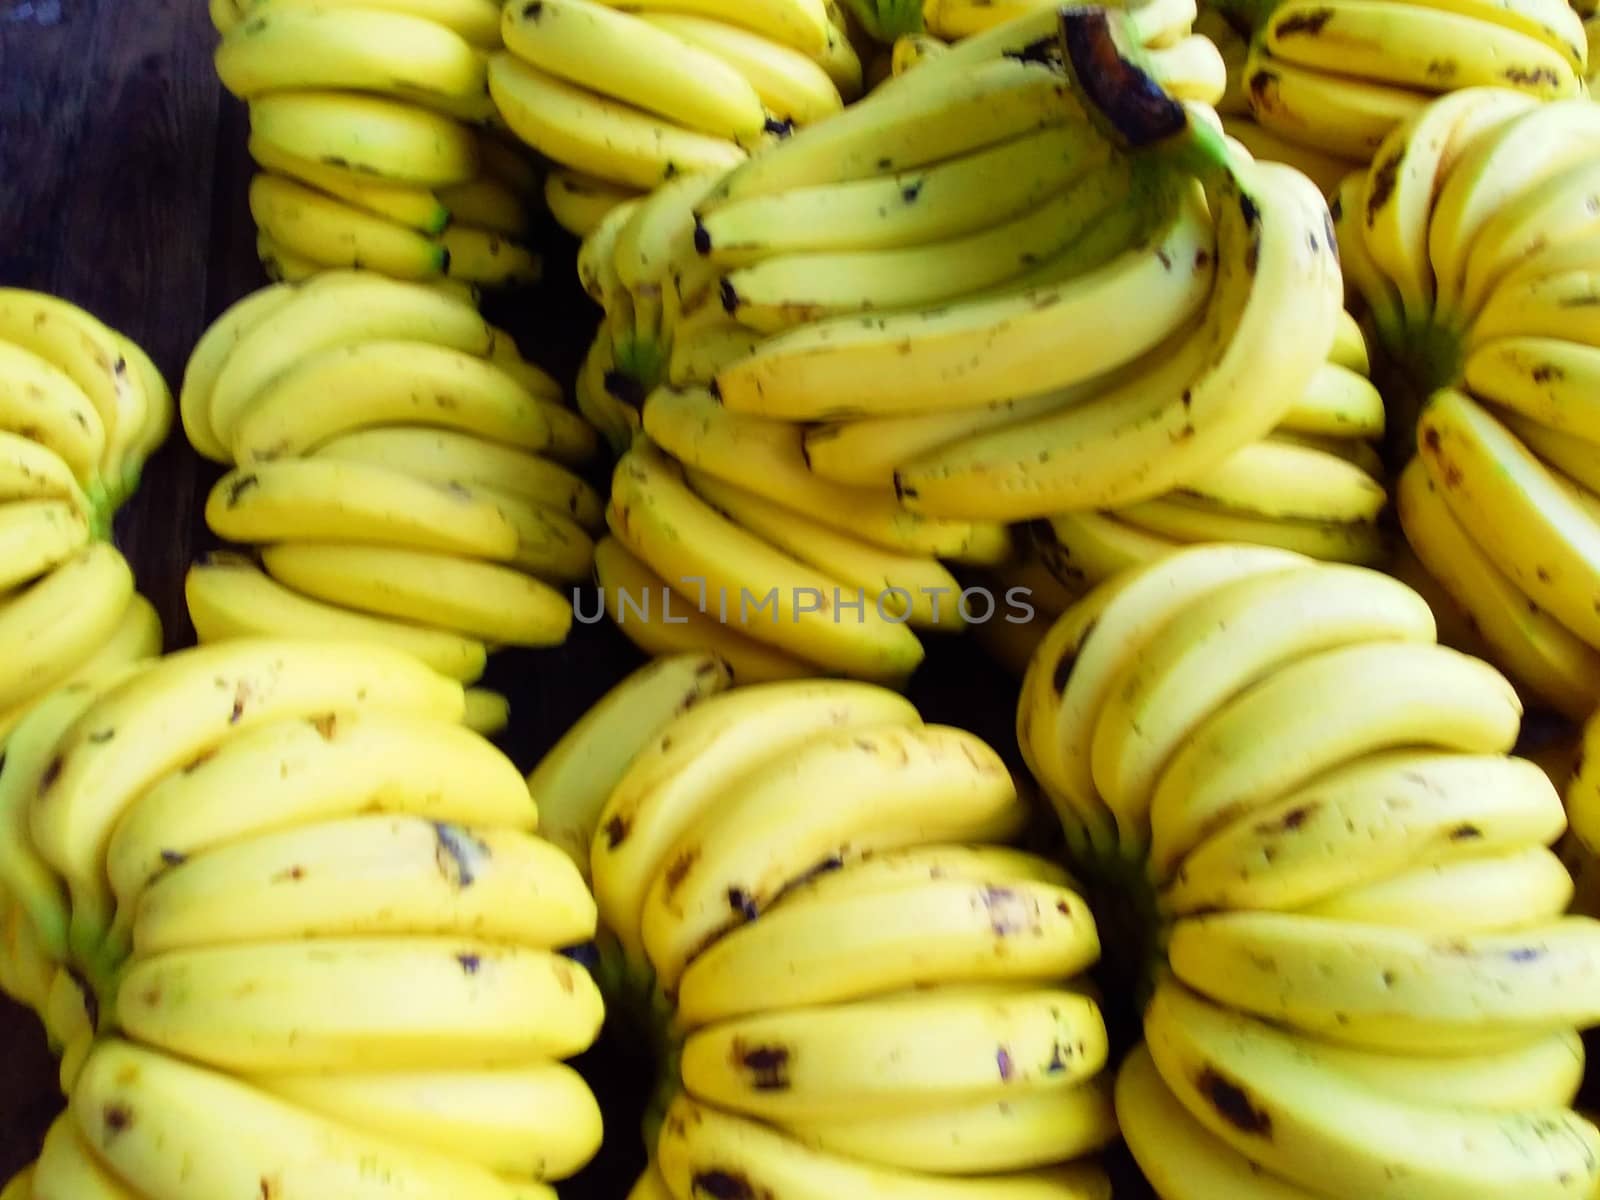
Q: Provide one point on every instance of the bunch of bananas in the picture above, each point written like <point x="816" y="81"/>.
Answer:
<point x="1369" y="986"/>
<point x="362" y="122"/>
<point x="81" y="409"/>
<point x="288" y="923"/>
<point x="865" y="992"/>
<point x="402" y="471"/>
<point x="624" y="97"/>
<point x="1326" y="81"/>
<point x="1471" y="245"/>
<point x="1315" y="486"/>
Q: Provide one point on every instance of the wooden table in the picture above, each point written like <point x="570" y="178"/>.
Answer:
<point x="122" y="188"/>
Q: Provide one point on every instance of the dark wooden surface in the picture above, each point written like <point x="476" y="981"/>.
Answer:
<point x="122" y="188"/>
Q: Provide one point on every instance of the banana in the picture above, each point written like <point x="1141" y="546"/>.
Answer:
<point x="487" y="258"/>
<point x="1338" y="402"/>
<point x="704" y="344"/>
<point x="1542" y="537"/>
<point x="414" y="207"/>
<point x="651" y="615"/>
<point x="538" y="1121"/>
<point x="853" y="947"/>
<point x="210" y="355"/>
<point x="654" y="250"/>
<point x="712" y="562"/>
<point x="1239" y="1077"/>
<point x="790" y="84"/>
<point x="1186" y="414"/>
<point x="580" y="202"/>
<point x="1519" y="152"/>
<point x="613" y="53"/>
<point x="1392" y="694"/>
<point x="483" y="600"/>
<point x="908" y="128"/>
<point x="921" y="1053"/>
<point x="701" y="1143"/>
<point x="1132" y="607"/>
<point x="20" y="1185"/>
<point x="1550" y="381"/>
<point x="36" y="537"/>
<point x="975" y="352"/>
<point x="148" y="434"/>
<point x="1537" y="650"/>
<point x="912" y="207"/>
<point x="52" y="627"/>
<point x="478" y="21"/>
<point x="412" y="1003"/>
<point x="676" y="780"/>
<point x="1557" y="213"/>
<point x="576" y="777"/>
<point x="1017" y="1133"/>
<point x="26" y="971"/>
<point x="1552" y="306"/>
<point x="1184" y="520"/>
<point x="1376" y="818"/>
<point x="393" y="140"/>
<point x="1323" y="169"/>
<point x="328" y="500"/>
<point x="80" y="347"/>
<point x="598" y="136"/>
<point x="838" y="794"/>
<point x="866" y="452"/>
<point x="129" y="738"/>
<point x="232" y="598"/>
<point x="1416" y="160"/>
<point x="1279" y="480"/>
<point x="507" y="355"/>
<point x="42" y="402"/>
<point x="32" y="471"/>
<point x="1192" y="68"/>
<point x="1342" y="116"/>
<point x="487" y="712"/>
<point x="799" y="24"/>
<point x="448" y="457"/>
<point x="348" y="49"/>
<point x="915" y="589"/>
<point x="384" y="383"/>
<point x="1085" y="548"/>
<point x="302" y="772"/>
<point x="616" y="419"/>
<point x="1222" y="644"/>
<point x="171" y="1128"/>
<point x="327" y="231"/>
<point x="1179" y="1157"/>
<point x="69" y="1170"/>
<point x="1477" y="895"/>
<point x="1366" y="285"/>
<point x="911" y="49"/>
<point x="649" y="1185"/>
<point x="1417" y="46"/>
<point x="1553" y="23"/>
<point x="839" y="57"/>
<point x="337" y="310"/>
<point x="913" y="865"/>
<point x="368" y="876"/>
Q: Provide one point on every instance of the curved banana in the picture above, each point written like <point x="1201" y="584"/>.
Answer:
<point x="478" y="21"/>
<point x="67" y="1167"/>
<point x="1377" y="818"/>
<point x="391" y="139"/>
<point x="54" y="626"/>
<point x="1082" y="549"/>
<point x="488" y="258"/>
<point x="167" y="1126"/>
<point x="42" y="402"/>
<point x="414" y="207"/>
<point x="1343" y="116"/>
<point x="579" y="202"/>
<point x="36" y="538"/>
<point x="574" y="780"/>
<point x="792" y="85"/>
<point x="1276" y="480"/>
<point x="412" y="1003"/>
<point x="331" y="233"/>
<point x="1338" y="402"/>
<point x="211" y="353"/>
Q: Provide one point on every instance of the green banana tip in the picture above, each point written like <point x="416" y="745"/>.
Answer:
<point x="886" y="20"/>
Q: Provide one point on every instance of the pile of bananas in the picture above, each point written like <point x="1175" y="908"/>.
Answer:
<point x="370" y="125"/>
<point x="624" y="97"/>
<point x="1369" y="987"/>
<point x="1470" y="245"/>
<point x="1324" y="82"/>
<point x="81" y="409"/>
<point x="403" y="475"/>
<point x="287" y="923"/>
<point x="815" y="885"/>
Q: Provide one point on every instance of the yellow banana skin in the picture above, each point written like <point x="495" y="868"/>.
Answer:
<point x="158" y="1122"/>
<point x="407" y="1003"/>
<point x="1238" y="1077"/>
<point x="67" y="1167"/>
<point x="410" y="876"/>
<point x="576" y="778"/>
<point x="53" y="627"/>
<point x="394" y="140"/>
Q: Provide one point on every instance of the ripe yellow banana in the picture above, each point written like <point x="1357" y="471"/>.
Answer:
<point x="40" y="401"/>
<point x="1343" y="116"/>
<point x="397" y="1003"/>
<point x="579" y="202"/>
<point x="53" y="627"/>
<point x="211" y="353"/>
<point x="415" y="207"/>
<point x="476" y="20"/>
<point x="792" y="85"/>
<point x="393" y="140"/>
<point x="67" y="1167"/>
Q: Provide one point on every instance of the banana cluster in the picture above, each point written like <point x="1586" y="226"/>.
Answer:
<point x="401" y="473"/>
<point x="288" y="924"/>
<point x="1315" y="485"/>
<point x="1366" y="953"/>
<point x="370" y="123"/>
<point x="1471" y="247"/>
<point x="81" y="409"/>
<point x="866" y="992"/>
<point x="624" y="97"/>
<point x="1326" y="81"/>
